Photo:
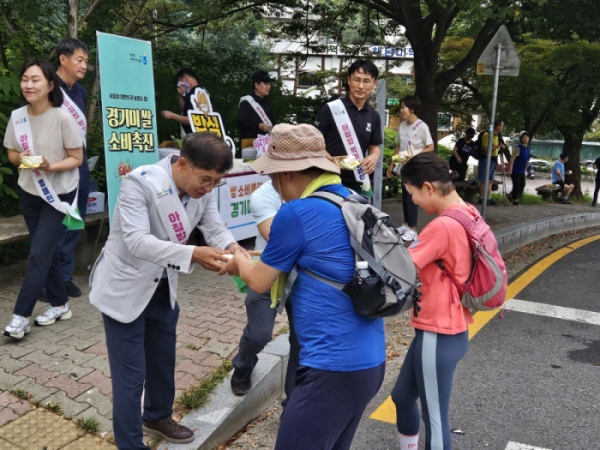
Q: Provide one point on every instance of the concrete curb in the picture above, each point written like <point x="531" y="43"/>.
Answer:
<point x="225" y="414"/>
<point x="516" y="236"/>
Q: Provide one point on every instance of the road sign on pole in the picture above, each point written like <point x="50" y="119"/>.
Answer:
<point x="510" y="64"/>
<point x="500" y="58"/>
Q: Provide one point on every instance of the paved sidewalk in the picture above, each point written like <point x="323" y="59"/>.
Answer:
<point x="66" y="363"/>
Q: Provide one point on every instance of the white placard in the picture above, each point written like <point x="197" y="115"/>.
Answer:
<point x="261" y="144"/>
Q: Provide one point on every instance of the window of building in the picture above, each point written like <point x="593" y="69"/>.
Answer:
<point x="307" y="79"/>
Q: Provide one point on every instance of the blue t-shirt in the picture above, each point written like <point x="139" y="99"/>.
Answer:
<point x="312" y="233"/>
<point x="561" y="167"/>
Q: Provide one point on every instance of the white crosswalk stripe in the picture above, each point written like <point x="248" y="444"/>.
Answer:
<point x="558" y="312"/>
<point x="516" y="446"/>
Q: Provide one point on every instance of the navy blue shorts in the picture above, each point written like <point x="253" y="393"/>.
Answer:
<point x="481" y="170"/>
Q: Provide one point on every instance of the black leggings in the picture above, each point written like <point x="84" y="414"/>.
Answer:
<point x="410" y="210"/>
<point x="518" y="180"/>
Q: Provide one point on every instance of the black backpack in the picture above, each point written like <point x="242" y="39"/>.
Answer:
<point x="478" y="152"/>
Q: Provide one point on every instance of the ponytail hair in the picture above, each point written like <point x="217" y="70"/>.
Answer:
<point x="428" y="167"/>
<point x="55" y="95"/>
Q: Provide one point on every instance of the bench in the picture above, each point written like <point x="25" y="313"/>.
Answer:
<point x="13" y="229"/>
<point x="550" y="191"/>
<point x="468" y="188"/>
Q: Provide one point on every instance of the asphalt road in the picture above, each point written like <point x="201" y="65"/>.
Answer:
<point x="531" y="379"/>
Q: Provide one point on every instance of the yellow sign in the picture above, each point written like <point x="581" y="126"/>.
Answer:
<point x="480" y="68"/>
<point x="210" y="122"/>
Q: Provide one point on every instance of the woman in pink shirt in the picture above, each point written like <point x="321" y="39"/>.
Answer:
<point x="440" y="320"/>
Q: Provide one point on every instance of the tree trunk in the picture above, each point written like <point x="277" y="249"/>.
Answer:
<point x="572" y="148"/>
<point x="73" y="19"/>
<point x="429" y="107"/>
<point x="425" y="68"/>
<point x="92" y="104"/>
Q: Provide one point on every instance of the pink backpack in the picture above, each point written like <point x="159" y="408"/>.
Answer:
<point x="485" y="288"/>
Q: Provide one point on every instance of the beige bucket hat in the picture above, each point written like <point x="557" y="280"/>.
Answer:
<point x="294" y="148"/>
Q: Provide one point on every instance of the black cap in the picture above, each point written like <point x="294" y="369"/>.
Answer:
<point x="261" y="77"/>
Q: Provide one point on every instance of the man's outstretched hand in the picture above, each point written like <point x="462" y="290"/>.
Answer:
<point x="210" y="258"/>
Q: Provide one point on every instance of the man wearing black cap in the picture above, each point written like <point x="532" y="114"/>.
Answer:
<point x="255" y="115"/>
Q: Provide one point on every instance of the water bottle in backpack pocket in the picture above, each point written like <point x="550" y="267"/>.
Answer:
<point x="366" y="290"/>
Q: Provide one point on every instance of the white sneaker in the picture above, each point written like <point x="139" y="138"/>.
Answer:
<point x="403" y="229"/>
<point x="54" y="313"/>
<point x="409" y="236"/>
<point x="18" y="327"/>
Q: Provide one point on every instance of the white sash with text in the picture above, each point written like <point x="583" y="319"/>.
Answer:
<point x="170" y="209"/>
<point x="259" y="109"/>
<point x="405" y="144"/>
<point x="349" y="138"/>
<point x="75" y="112"/>
<point x="45" y="190"/>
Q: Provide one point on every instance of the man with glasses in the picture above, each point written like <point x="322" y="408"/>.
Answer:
<point x="350" y="124"/>
<point x="134" y="281"/>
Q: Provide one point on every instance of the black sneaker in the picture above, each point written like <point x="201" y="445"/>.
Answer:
<point x="72" y="290"/>
<point x="492" y="202"/>
<point x="240" y="381"/>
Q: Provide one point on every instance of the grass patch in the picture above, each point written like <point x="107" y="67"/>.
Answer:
<point x="154" y="441"/>
<point x="196" y="396"/>
<point x="23" y="395"/>
<point x="284" y="329"/>
<point x="528" y="199"/>
<point x="89" y="425"/>
<point x="53" y="407"/>
<point x="191" y="347"/>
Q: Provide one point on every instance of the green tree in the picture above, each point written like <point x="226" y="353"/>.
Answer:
<point x="426" y="25"/>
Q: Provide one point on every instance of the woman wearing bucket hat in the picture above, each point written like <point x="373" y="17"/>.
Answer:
<point x="342" y="356"/>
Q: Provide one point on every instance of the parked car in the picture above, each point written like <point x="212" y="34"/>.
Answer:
<point x="588" y="164"/>
<point x="540" y="163"/>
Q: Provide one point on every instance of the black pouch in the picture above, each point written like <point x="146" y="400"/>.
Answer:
<point x="367" y="294"/>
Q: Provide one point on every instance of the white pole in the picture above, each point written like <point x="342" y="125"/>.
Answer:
<point x="488" y="161"/>
<point x="378" y="175"/>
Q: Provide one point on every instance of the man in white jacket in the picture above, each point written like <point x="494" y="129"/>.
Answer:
<point x="134" y="281"/>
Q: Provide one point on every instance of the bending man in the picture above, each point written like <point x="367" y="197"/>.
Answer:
<point x="134" y="281"/>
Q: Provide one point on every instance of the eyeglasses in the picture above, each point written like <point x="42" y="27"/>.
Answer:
<point x="205" y="183"/>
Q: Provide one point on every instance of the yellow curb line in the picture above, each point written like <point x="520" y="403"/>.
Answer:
<point x="387" y="410"/>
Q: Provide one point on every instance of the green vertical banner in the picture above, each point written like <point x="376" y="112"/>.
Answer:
<point x="128" y="108"/>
